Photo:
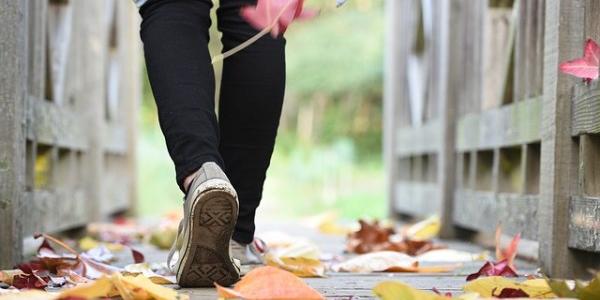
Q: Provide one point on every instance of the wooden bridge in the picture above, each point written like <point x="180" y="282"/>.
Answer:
<point x="480" y="127"/>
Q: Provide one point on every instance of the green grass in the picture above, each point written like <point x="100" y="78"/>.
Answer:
<point x="304" y="181"/>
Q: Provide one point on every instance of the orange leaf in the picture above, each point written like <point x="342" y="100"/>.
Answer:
<point x="269" y="283"/>
<point x="511" y="251"/>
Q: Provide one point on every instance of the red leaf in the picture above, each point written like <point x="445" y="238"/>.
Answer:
<point x="276" y="14"/>
<point x="585" y="67"/>
<point x="29" y="281"/>
<point x="511" y="293"/>
<point x="138" y="257"/>
<point x="501" y="268"/>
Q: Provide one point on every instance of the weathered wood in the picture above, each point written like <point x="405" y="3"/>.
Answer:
<point x="590" y="165"/>
<point x="586" y="109"/>
<point x="13" y="87"/>
<point x="563" y="40"/>
<point x="419" y="199"/>
<point x="584" y="224"/>
<point x="484" y="211"/>
<point x="393" y="90"/>
<point x="514" y="124"/>
<point x="419" y="140"/>
<point x="51" y="124"/>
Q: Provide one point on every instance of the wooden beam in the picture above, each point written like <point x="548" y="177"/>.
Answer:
<point x="564" y="37"/>
<point x="586" y="109"/>
<point x="13" y="90"/>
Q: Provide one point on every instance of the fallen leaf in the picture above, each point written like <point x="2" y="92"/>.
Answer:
<point x="103" y="287"/>
<point x="511" y="293"/>
<point x="136" y="285"/>
<point x="395" y="290"/>
<point x="163" y="238"/>
<point x="372" y="237"/>
<point x="299" y="266"/>
<point x="377" y="262"/>
<point x="493" y="286"/>
<point x="275" y="15"/>
<point x="494" y="269"/>
<point x="424" y="230"/>
<point x="510" y="253"/>
<point x="7" y="276"/>
<point x="146" y="270"/>
<point x="581" y="290"/>
<point x="269" y="283"/>
<point x="585" y="67"/>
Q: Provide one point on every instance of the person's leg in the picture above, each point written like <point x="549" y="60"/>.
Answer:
<point x="252" y="90"/>
<point x="175" y="37"/>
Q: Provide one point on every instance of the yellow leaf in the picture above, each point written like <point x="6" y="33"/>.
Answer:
<point x="424" y="230"/>
<point x="488" y="286"/>
<point x="145" y="270"/>
<point x="299" y="266"/>
<point x="100" y="288"/>
<point x="395" y="290"/>
<point x="87" y="243"/>
<point x="143" y="285"/>
<point x="7" y="276"/>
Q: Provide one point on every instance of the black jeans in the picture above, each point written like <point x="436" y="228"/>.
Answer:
<point x="175" y="37"/>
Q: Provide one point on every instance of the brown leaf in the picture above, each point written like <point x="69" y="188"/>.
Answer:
<point x="372" y="237"/>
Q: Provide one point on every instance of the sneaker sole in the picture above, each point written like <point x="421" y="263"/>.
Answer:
<point x="206" y="259"/>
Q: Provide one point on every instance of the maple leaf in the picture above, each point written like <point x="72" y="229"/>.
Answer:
<point x="275" y="15"/>
<point x="501" y="268"/>
<point x="585" y="67"/>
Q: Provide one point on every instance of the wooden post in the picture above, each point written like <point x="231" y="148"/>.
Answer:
<point x="393" y="91"/>
<point x="13" y="85"/>
<point x="559" y="157"/>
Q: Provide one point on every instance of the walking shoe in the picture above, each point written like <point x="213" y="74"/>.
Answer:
<point x="248" y="254"/>
<point x="200" y="255"/>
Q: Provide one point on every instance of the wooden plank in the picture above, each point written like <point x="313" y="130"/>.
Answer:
<point x="584" y="224"/>
<point x="559" y="157"/>
<point x="590" y="165"/>
<point x="521" y="58"/>
<point x="132" y="91"/>
<point x="514" y="124"/>
<point x="586" y="109"/>
<point x="420" y="199"/>
<point x="418" y="140"/>
<point x="51" y="124"/>
<point x="13" y="89"/>
<point x="394" y="91"/>
<point x="483" y="211"/>
<point x="37" y="47"/>
<point x="55" y="210"/>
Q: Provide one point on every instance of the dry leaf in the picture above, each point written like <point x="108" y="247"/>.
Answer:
<point x="269" y="283"/>
<point x="494" y="269"/>
<point x="100" y="288"/>
<point x="146" y="270"/>
<point x="377" y="262"/>
<point x="424" y="230"/>
<point x="510" y="253"/>
<point x="581" y="290"/>
<point x="373" y="237"/>
<point x="492" y="286"/>
<point x="300" y="266"/>
<point x="394" y="290"/>
<point x="585" y="67"/>
<point x="7" y="276"/>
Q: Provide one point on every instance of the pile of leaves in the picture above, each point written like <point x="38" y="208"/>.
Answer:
<point x="85" y="275"/>
<point x="373" y="237"/>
